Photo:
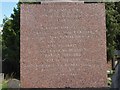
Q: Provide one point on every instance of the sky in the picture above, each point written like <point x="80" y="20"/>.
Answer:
<point x="6" y="9"/>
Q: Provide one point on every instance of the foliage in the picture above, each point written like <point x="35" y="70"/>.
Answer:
<point x="118" y="20"/>
<point x="113" y="28"/>
<point x="109" y="75"/>
<point x="0" y="45"/>
<point x="4" y="85"/>
<point x="11" y="43"/>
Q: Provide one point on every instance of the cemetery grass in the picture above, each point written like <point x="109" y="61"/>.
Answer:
<point x="3" y="85"/>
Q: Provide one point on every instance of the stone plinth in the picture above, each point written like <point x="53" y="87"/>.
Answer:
<point x="63" y="45"/>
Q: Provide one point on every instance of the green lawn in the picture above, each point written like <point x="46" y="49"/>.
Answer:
<point x="3" y="85"/>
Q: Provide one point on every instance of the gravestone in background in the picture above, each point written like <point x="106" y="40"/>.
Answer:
<point x="63" y="45"/>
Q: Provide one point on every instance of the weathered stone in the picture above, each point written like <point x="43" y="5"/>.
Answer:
<point x="63" y="45"/>
<point x="13" y="83"/>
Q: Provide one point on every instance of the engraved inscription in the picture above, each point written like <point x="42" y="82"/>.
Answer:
<point x="63" y="45"/>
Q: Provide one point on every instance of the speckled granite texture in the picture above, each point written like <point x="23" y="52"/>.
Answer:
<point x="63" y="45"/>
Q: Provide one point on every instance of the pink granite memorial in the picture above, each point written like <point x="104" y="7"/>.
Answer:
<point x="63" y="45"/>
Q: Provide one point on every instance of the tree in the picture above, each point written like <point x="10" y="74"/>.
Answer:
<point x="11" y="43"/>
<point x="117" y="5"/>
<point x="113" y="28"/>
